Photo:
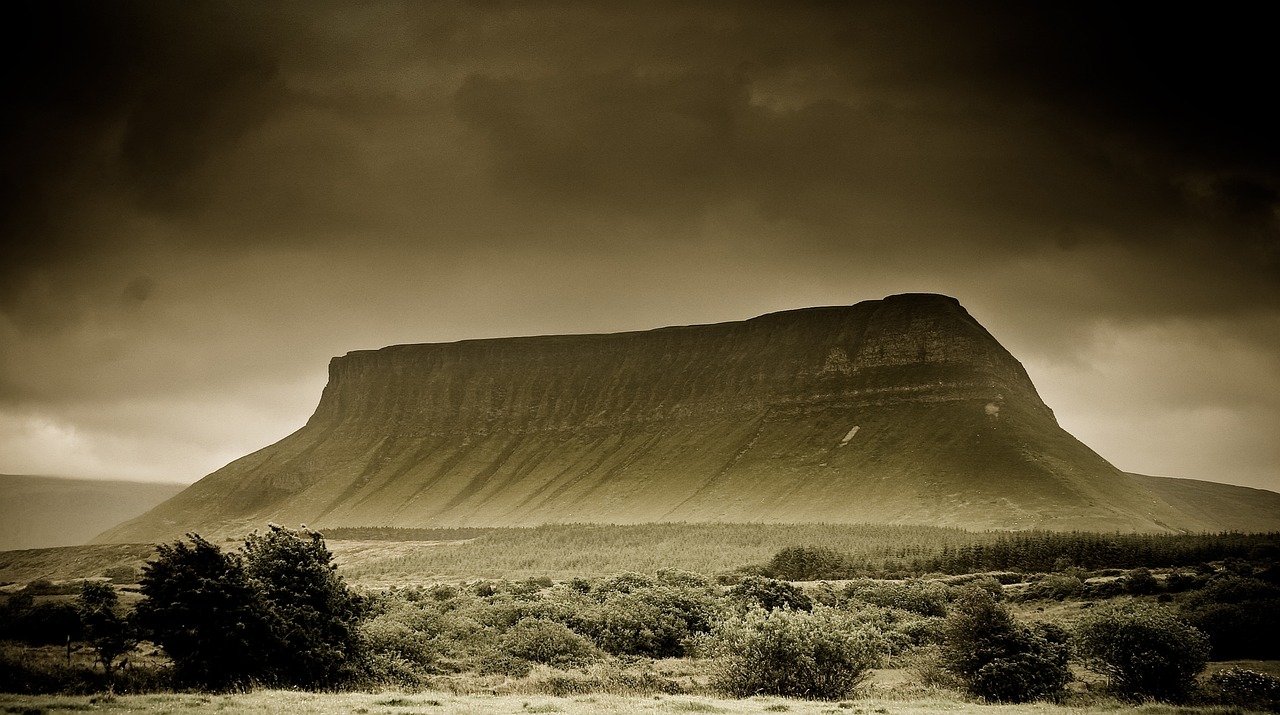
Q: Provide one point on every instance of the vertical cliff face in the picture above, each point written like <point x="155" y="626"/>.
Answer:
<point x="914" y="344"/>
<point x="899" y="410"/>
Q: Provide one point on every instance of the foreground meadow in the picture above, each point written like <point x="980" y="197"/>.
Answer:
<point x="848" y="619"/>
<point x="274" y="702"/>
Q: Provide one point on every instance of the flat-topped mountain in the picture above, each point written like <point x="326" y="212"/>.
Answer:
<point x="902" y="410"/>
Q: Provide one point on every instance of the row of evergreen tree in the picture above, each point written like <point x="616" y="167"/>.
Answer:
<point x="1034" y="551"/>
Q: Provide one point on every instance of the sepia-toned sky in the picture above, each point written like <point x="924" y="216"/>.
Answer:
<point x="202" y="202"/>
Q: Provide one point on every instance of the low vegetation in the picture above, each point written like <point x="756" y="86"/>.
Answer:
<point x="1070" y="634"/>
<point x="999" y="659"/>
<point x="1145" y="652"/>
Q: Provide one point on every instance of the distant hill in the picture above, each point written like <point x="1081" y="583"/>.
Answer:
<point x="1230" y="507"/>
<point x="40" y="512"/>
<point x="903" y="410"/>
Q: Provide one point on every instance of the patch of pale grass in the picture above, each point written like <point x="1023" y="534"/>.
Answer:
<point x="273" y="702"/>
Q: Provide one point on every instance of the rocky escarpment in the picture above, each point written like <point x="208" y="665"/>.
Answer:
<point x="901" y="410"/>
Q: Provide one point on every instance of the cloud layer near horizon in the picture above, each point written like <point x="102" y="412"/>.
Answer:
<point x="203" y="202"/>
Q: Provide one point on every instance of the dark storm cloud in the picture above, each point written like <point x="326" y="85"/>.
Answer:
<point x="282" y="123"/>
<point x="199" y="196"/>
<point x="116" y="103"/>
<point x="632" y="143"/>
<point x="1115" y="126"/>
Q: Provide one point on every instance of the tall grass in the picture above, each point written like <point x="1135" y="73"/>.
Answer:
<point x="569" y="550"/>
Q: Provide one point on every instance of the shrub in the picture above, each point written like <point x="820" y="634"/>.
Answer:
<point x="634" y="615"/>
<point x="926" y="598"/>
<point x="1240" y="615"/>
<point x="393" y="636"/>
<point x="30" y="673"/>
<point x="1057" y="587"/>
<point x="1140" y="582"/>
<point x="279" y="615"/>
<point x="1180" y="581"/>
<point x="547" y="642"/>
<point x="640" y="624"/>
<point x="311" y="615"/>
<point x="108" y="630"/>
<point x="1145" y="652"/>
<point x="199" y="606"/>
<point x="817" y="654"/>
<point x="1244" y="688"/>
<point x="927" y="666"/>
<point x="770" y="594"/>
<point x="625" y="583"/>
<point x="998" y="658"/>
<point x="48" y="623"/>
<point x="899" y="631"/>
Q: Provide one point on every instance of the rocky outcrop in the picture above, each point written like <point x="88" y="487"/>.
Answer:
<point x="901" y="410"/>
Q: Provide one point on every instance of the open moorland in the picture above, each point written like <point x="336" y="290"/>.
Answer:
<point x="734" y="618"/>
<point x="274" y="702"/>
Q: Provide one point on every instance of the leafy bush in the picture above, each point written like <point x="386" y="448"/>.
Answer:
<point x="770" y="594"/>
<point x="1241" y="616"/>
<point x="1057" y="587"/>
<point x="48" y="623"/>
<point x="22" y="673"/>
<point x="998" y="658"/>
<point x="1244" y="688"/>
<point x="636" y="615"/>
<point x="426" y="637"/>
<point x="625" y="583"/>
<point x="1140" y="582"/>
<point x="547" y="642"/>
<point x="281" y="609"/>
<point x="926" y="598"/>
<point x="107" y="628"/>
<point x="1145" y="652"/>
<point x="898" y="631"/>
<point x="928" y="667"/>
<point x="1180" y="581"/>
<point x="636" y="679"/>
<point x="654" y="622"/>
<point x="818" y="654"/>
<point x="44" y="587"/>
<point x="393" y="636"/>
<point x="199" y="606"/>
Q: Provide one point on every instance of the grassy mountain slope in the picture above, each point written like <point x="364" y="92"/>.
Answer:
<point x="1231" y="507"/>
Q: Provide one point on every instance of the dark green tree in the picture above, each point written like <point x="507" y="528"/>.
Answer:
<point x="106" y="627"/>
<point x="1146" y="652"/>
<point x="771" y="594"/>
<point x="277" y="614"/>
<point x="203" y="610"/>
<point x="998" y="658"/>
<point x="311" y="615"/>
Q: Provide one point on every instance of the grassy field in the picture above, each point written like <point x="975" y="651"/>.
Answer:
<point x="565" y="551"/>
<point x="386" y="557"/>
<point x="559" y="551"/>
<point x="274" y="702"/>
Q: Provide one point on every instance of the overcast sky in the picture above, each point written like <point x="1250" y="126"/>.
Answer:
<point x="202" y="202"/>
